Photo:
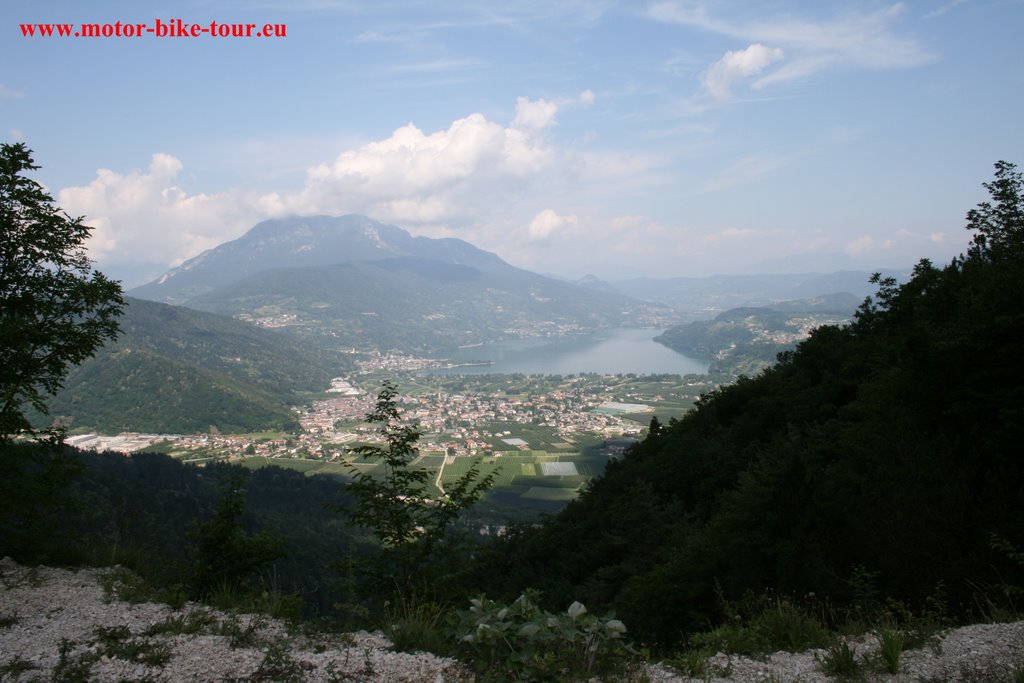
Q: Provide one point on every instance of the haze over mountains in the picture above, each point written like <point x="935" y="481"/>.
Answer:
<point x="364" y="283"/>
<point x="330" y="284"/>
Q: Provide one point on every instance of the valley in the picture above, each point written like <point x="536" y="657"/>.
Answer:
<point x="513" y="425"/>
<point x="270" y="349"/>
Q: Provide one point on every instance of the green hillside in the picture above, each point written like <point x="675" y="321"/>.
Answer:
<point x="420" y="304"/>
<point x="746" y="340"/>
<point x="182" y="371"/>
<point x="878" y="460"/>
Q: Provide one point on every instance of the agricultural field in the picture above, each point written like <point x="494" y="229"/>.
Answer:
<point x="526" y="484"/>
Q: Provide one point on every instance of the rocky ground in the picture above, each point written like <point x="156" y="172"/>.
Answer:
<point x="61" y="625"/>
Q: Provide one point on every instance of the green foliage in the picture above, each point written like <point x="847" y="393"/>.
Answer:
<point x="122" y="584"/>
<point x="247" y="635"/>
<point x="176" y="370"/>
<point x="14" y="667"/>
<point x="397" y="507"/>
<point x="840" y="660"/>
<point x="278" y="665"/>
<point x="143" y="511"/>
<point x="743" y="341"/>
<point x="771" y="625"/>
<point x="117" y="642"/>
<point x="347" y="672"/>
<point x="693" y="663"/>
<point x="416" y="625"/>
<point x="890" y="647"/>
<point x="55" y="311"/>
<point x="71" y="667"/>
<point x="891" y="444"/>
<point x="521" y="642"/>
<point x="1012" y="594"/>
<point x="226" y="558"/>
<point x="195" y="621"/>
<point x="35" y="489"/>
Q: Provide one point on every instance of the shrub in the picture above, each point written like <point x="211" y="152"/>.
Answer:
<point x="415" y="625"/>
<point x="840" y="660"/>
<point x="524" y="642"/>
<point x="773" y="624"/>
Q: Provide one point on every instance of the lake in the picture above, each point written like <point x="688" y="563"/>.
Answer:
<point x="615" y="351"/>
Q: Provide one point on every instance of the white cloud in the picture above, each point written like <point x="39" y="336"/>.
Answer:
<point x="744" y="171"/>
<point x="447" y="175"/>
<point x="434" y="65"/>
<point x="863" y="40"/>
<point x="939" y="11"/>
<point x="7" y="93"/>
<point x="586" y="98"/>
<point x="546" y="222"/>
<point x="737" y="66"/>
<point x="534" y="114"/>
<point x="144" y="216"/>
<point x="461" y="176"/>
<point x="860" y="245"/>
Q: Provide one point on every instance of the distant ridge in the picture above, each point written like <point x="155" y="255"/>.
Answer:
<point x="353" y="281"/>
<point x="303" y="241"/>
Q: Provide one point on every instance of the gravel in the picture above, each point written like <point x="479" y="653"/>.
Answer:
<point x="981" y="653"/>
<point x="41" y="607"/>
<point x="58" y="624"/>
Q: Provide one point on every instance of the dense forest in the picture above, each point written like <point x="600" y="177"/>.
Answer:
<point x="176" y="370"/>
<point x="876" y="461"/>
<point x="889" y="449"/>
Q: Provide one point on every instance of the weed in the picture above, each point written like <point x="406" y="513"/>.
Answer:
<point x="890" y="647"/>
<point x="693" y="663"/>
<point x="415" y="625"/>
<point x="278" y="665"/>
<point x="15" y="667"/>
<point x="772" y="624"/>
<point x="989" y="674"/>
<point x="29" y="577"/>
<point x="121" y="584"/>
<point x="242" y="637"/>
<point x="840" y="660"/>
<point x="196" y="621"/>
<point x="343" y="674"/>
<point x="174" y="596"/>
<point x="73" y="669"/>
<point x="117" y="642"/>
<point x="522" y="641"/>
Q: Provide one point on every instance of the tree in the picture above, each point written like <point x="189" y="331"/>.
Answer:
<point x="226" y="557"/>
<point x="407" y="521"/>
<point x="999" y="225"/>
<point x="55" y="311"/>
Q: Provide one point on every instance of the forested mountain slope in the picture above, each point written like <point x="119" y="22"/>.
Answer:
<point x="174" y="369"/>
<point x="886" y="450"/>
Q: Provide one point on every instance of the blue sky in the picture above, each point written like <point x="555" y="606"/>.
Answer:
<point x="620" y="139"/>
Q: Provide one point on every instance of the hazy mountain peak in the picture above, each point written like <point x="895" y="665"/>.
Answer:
<point x="305" y="241"/>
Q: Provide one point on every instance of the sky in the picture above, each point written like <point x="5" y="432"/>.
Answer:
<point x="619" y="139"/>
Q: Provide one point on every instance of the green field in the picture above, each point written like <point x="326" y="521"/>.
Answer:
<point x="521" y="491"/>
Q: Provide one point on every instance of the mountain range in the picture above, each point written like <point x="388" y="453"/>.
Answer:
<point x="699" y="298"/>
<point x="357" y="282"/>
<point x="333" y="284"/>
